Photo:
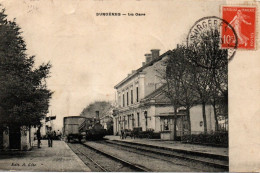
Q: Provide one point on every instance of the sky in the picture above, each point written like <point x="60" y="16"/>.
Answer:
<point x="90" y="54"/>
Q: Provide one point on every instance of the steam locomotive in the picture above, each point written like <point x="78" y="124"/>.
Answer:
<point x="92" y="129"/>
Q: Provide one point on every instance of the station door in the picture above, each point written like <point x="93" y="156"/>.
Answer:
<point x="15" y="137"/>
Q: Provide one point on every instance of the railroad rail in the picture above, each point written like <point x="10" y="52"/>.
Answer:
<point x="215" y="161"/>
<point x="93" y="161"/>
<point x="88" y="151"/>
<point x="135" y="167"/>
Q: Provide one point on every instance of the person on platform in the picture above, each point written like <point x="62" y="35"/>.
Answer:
<point x="38" y="134"/>
<point x="54" y="135"/>
<point x="59" y="135"/>
<point x="50" y="137"/>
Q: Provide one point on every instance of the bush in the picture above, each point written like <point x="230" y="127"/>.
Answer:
<point x="149" y="133"/>
<point x="217" y="138"/>
<point x="156" y="135"/>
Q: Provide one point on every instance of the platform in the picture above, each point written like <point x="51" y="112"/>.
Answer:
<point x="221" y="151"/>
<point x="45" y="159"/>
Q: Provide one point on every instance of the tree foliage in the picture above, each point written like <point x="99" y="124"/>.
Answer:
<point x="24" y="97"/>
<point x="197" y="74"/>
<point x="178" y="79"/>
<point x="210" y="72"/>
<point x="180" y="74"/>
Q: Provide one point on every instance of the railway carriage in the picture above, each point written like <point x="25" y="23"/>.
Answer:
<point x="71" y="127"/>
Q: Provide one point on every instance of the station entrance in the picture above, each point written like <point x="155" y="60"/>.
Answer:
<point x="14" y="137"/>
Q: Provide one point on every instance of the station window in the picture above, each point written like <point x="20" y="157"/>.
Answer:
<point x="123" y="100"/>
<point x="138" y="119"/>
<point x="133" y="121"/>
<point x="146" y="116"/>
<point x="127" y="99"/>
<point x="131" y="96"/>
<point x="166" y="123"/>
<point x="125" y="122"/>
<point x="137" y="95"/>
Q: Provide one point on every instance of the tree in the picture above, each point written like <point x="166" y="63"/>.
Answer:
<point x="175" y="77"/>
<point x="197" y="74"/>
<point x="210" y="74"/>
<point x="219" y="89"/>
<point x="24" y="97"/>
<point x="179" y="80"/>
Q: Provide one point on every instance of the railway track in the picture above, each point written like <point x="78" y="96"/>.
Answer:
<point x="97" y="164"/>
<point x="213" y="161"/>
<point x="103" y="161"/>
<point x="124" y="162"/>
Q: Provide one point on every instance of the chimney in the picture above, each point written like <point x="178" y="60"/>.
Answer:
<point x="155" y="53"/>
<point x="148" y="58"/>
<point x="97" y="114"/>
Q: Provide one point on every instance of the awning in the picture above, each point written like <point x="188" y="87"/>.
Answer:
<point x="170" y="114"/>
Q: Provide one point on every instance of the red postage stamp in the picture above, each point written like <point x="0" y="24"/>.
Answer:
<point x="243" y="21"/>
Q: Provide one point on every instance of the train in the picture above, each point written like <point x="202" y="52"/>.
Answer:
<point x="78" y="128"/>
<point x="71" y="127"/>
<point x="92" y="129"/>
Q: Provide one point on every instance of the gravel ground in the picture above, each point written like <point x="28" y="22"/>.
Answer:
<point x="107" y="163"/>
<point x="193" y="164"/>
<point x="89" y="163"/>
<point x="145" y="161"/>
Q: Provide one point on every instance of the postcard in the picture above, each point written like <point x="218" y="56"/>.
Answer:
<point x="129" y="86"/>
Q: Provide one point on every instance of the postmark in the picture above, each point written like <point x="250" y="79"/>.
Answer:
<point x="206" y="37"/>
<point x="243" y="20"/>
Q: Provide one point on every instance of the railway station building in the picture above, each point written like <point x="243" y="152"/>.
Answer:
<point x="141" y="103"/>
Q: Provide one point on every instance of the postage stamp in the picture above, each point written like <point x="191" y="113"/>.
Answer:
<point x="243" y="20"/>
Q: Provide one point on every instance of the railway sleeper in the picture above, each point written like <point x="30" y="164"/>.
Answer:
<point x="171" y="153"/>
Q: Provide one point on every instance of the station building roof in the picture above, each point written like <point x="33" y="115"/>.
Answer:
<point x="141" y="69"/>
